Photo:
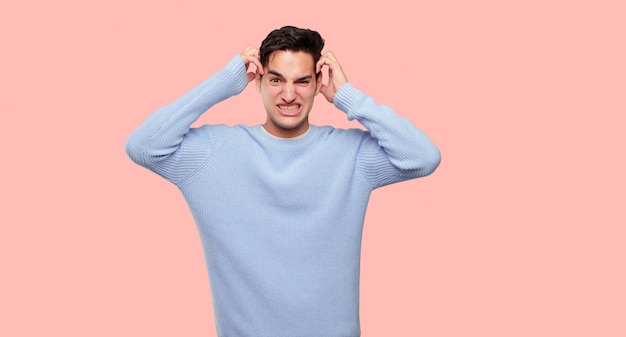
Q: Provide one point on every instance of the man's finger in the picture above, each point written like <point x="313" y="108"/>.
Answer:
<point x="259" y="67"/>
<point x="320" y="63"/>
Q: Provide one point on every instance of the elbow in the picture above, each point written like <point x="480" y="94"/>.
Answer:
<point x="145" y="152"/>
<point x="422" y="156"/>
<point x="430" y="161"/>
<point x="421" y="163"/>
<point x="135" y="150"/>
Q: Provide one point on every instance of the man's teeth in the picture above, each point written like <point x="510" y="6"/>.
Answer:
<point x="289" y="107"/>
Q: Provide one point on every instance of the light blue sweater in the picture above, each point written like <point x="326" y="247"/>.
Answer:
<point x="281" y="219"/>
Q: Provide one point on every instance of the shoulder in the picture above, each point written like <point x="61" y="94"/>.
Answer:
<point x="330" y="131"/>
<point x="216" y="134"/>
<point x="220" y="130"/>
<point x="342" y="136"/>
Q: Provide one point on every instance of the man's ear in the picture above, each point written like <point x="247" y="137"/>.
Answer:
<point x="257" y="81"/>
<point x="318" y="82"/>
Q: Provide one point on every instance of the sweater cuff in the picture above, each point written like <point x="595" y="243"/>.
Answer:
<point x="346" y="98"/>
<point x="235" y="70"/>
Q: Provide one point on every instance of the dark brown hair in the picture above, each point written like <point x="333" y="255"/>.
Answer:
<point x="292" y="39"/>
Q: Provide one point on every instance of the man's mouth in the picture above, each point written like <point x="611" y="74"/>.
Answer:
<point x="289" y="109"/>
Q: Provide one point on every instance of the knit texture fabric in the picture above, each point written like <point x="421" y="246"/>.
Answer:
<point x="281" y="219"/>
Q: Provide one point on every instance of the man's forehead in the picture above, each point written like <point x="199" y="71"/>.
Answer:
<point x="291" y="63"/>
<point x="286" y="52"/>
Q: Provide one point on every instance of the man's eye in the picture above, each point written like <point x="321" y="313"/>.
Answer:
<point x="274" y="80"/>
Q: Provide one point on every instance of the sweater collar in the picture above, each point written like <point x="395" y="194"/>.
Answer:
<point x="286" y="139"/>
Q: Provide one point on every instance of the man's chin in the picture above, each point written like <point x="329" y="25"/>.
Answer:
<point x="288" y="127"/>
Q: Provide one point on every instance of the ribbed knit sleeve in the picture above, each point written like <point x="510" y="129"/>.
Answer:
<point x="393" y="149"/>
<point x="157" y="143"/>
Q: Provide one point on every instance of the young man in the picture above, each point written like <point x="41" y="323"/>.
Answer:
<point x="280" y="206"/>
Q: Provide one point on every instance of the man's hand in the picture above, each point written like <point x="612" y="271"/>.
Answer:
<point x="336" y="76"/>
<point x="250" y="55"/>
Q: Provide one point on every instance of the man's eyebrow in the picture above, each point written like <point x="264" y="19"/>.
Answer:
<point x="275" y="73"/>
<point x="303" y="78"/>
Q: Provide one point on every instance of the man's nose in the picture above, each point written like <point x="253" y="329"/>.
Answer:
<point x="289" y="93"/>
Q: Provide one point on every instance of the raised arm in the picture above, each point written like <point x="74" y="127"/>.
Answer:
<point x="157" y="143"/>
<point x="396" y="149"/>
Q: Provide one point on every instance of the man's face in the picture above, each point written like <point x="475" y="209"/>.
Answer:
<point x="288" y="88"/>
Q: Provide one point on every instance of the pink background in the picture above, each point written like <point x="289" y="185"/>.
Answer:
<point x="521" y="231"/>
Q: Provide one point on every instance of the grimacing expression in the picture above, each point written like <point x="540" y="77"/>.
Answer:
<point x="288" y="88"/>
